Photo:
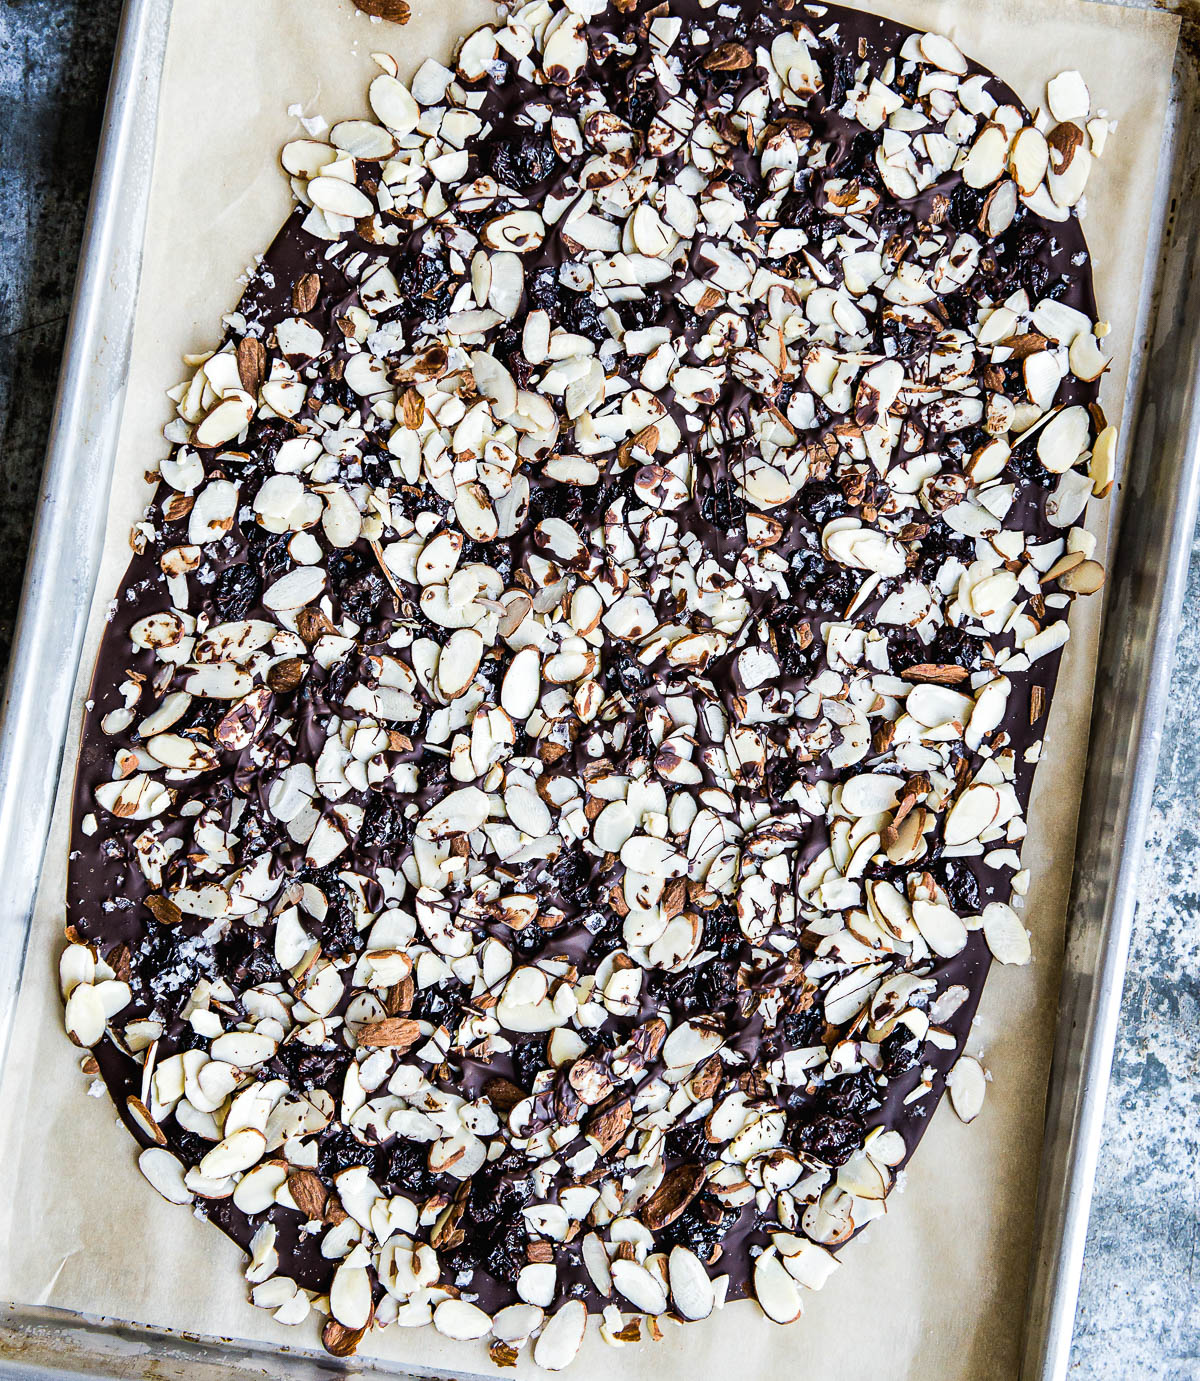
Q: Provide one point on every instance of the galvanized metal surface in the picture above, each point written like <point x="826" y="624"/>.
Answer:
<point x="1146" y="586"/>
<point x="63" y="559"/>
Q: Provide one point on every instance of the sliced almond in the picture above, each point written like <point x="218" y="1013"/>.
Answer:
<point x="966" y="1084"/>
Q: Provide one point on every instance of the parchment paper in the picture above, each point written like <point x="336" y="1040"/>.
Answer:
<point x="934" y="1290"/>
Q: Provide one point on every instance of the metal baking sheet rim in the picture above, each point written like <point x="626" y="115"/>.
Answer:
<point x="1143" y="610"/>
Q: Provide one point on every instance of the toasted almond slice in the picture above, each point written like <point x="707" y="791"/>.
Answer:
<point x="777" y="1293"/>
<point x="967" y="1084"/>
<point x="1006" y="937"/>
<point x="76" y="965"/>
<point x="595" y="1259"/>
<point x="1088" y="361"/>
<point x="691" y="1287"/>
<point x="341" y="198"/>
<point x="306" y="157"/>
<point x="392" y="102"/>
<point x="1068" y="97"/>
<point x="517" y="1323"/>
<point x="141" y="1115"/>
<point x="455" y="1318"/>
<point x="640" y="1287"/>
<point x="1085" y="578"/>
<point x="537" y="1282"/>
<point x="350" y="1294"/>
<point x="1102" y="469"/>
<point x="165" y="1173"/>
<point x="985" y="161"/>
<point x="940" y="927"/>
<point x="809" y="1263"/>
<point x="561" y="1338"/>
<point x="1029" y="159"/>
<point x="941" y="52"/>
<point x="84" y="1016"/>
<point x="1064" y="439"/>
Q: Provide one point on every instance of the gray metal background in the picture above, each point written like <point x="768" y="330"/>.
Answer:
<point x="1139" y="1315"/>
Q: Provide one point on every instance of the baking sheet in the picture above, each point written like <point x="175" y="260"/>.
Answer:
<point x="943" y="1278"/>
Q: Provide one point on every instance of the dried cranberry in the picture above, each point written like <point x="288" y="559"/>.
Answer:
<point x="441" y="1004"/>
<point x="722" y="505"/>
<point x="504" y="1255"/>
<point x="427" y="285"/>
<point x="898" y="1052"/>
<point x="838" y="71"/>
<point x="406" y="1166"/>
<point x="384" y="824"/>
<point x="246" y="958"/>
<point x="859" y="162"/>
<point x="966" y="206"/>
<point x="573" y="876"/>
<point x="521" y="163"/>
<point x="959" y="883"/>
<point x="528" y="1059"/>
<point x="167" y="965"/>
<point x="700" y="1228"/>
<point x="341" y="1150"/>
<point x="803" y="1028"/>
<point x="368" y="599"/>
<point x="687" y="1142"/>
<point x="636" y="102"/>
<point x="832" y="1140"/>
<point x="850" y="1096"/>
<point x="309" y="1067"/>
<point x="236" y="591"/>
<point x="338" y="929"/>
<point x="708" y="988"/>
<point x="630" y="676"/>
<point x="269" y="552"/>
<point x="798" y="656"/>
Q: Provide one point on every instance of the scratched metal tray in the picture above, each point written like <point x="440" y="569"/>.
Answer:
<point x="1145" y="591"/>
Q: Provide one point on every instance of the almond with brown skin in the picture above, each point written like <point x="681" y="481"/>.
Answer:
<point x="178" y="506"/>
<point x="340" y="1341"/>
<point x="251" y="363"/>
<point x="310" y="1194"/>
<point x="728" y="57"/>
<point x="399" y="999"/>
<point x="285" y="676"/>
<point x="590" y="1079"/>
<point x="1031" y="343"/>
<point x="1064" y="141"/>
<point x="311" y="624"/>
<point x="395" y="10"/>
<point x="648" y="1038"/>
<point x="448" y="1234"/>
<point x="394" y="1033"/>
<point x="674" y="898"/>
<point x="679" y="1187"/>
<point x="164" y="910"/>
<point x="940" y="675"/>
<point x="118" y="960"/>
<point x="411" y="408"/>
<point x="707" y="1078"/>
<point x="502" y="1354"/>
<point x="608" y="1127"/>
<point x="306" y="292"/>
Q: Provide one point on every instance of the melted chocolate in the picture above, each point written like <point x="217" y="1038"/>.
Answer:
<point x="107" y="889"/>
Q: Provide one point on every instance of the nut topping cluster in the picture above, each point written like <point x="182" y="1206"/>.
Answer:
<point x="558" y="763"/>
